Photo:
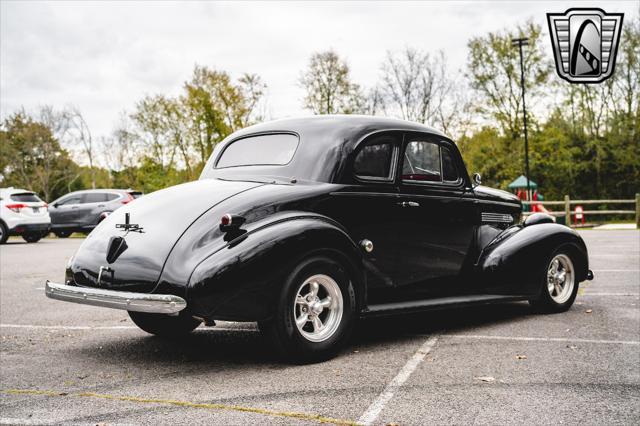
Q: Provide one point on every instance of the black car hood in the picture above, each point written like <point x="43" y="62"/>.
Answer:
<point x="491" y="194"/>
<point x="163" y="216"/>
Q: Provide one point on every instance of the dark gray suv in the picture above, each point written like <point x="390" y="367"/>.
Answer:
<point x="81" y="211"/>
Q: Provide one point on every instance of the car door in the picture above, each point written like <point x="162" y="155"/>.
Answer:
<point x="366" y="204"/>
<point x="92" y="205"/>
<point x="65" y="211"/>
<point x="436" y="218"/>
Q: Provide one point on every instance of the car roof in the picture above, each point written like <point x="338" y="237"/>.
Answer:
<point x="11" y="190"/>
<point x="325" y="143"/>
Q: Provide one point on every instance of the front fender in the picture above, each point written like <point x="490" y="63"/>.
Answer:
<point x="515" y="261"/>
<point x="242" y="280"/>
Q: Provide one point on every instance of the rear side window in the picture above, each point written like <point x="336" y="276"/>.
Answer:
<point x="94" y="197"/>
<point x="25" y="197"/>
<point x="112" y="196"/>
<point x="375" y="159"/>
<point x="262" y="150"/>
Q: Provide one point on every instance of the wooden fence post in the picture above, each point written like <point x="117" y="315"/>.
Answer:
<point x="637" y="211"/>
<point x="567" y="210"/>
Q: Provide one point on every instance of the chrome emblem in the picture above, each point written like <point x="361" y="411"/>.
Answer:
<point x="585" y="43"/>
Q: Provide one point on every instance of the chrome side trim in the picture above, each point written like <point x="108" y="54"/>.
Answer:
<point x="138" y="302"/>
<point x="497" y="217"/>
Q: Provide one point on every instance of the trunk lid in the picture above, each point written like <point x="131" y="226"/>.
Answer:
<point x="133" y="260"/>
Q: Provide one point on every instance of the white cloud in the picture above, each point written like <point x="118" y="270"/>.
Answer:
<point x="104" y="56"/>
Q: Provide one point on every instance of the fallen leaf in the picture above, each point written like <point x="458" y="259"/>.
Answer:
<point x="487" y="379"/>
<point x="588" y="311"/>
<point x="521" y="357"/>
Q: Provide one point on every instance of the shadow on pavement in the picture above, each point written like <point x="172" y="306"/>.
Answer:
<point x="247" y="346"/>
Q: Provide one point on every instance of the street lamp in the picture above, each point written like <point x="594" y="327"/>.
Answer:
<point x="524" y="42"/>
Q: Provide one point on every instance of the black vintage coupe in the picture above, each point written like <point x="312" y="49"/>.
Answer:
<point x="307" y="224"/>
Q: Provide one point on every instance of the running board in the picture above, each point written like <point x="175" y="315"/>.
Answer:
<point x="441" y="303"/>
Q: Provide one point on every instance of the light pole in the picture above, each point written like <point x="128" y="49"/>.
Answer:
<point x="524" y="42"/>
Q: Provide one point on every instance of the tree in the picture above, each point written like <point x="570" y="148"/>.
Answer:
<point x="328" y="86"/>
<point x="31" y="158"/>
<point x="494" y="73"/>
<point x="79" y="133"/>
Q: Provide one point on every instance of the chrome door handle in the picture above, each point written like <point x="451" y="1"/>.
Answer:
<point x="409" y="204"/>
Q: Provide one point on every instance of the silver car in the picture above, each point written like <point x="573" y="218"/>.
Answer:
<point x="81" y="211"/>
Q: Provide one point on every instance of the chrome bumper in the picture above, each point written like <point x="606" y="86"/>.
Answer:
<point x="138" y="302"/>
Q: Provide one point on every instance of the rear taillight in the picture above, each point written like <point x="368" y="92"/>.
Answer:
<point x="128" y="200"/>
<point x="15" y="207"/>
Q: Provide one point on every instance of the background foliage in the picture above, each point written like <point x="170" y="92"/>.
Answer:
<point x="584" y="139"/>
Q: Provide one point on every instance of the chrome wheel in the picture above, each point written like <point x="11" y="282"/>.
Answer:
<point x="560" y="278"/>
<point x="318" y="308"/>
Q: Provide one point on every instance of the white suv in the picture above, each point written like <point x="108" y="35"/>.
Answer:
<point x="23" y="213"/>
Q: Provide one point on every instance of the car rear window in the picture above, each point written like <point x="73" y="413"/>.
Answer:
<point x="261" y="150"/>
<point x="26" y="197"/>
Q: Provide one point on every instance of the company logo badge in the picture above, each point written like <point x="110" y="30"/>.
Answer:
<point x="585" y="43"/>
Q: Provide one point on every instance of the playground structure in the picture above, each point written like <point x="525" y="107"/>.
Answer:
<point x="571" y="217"/>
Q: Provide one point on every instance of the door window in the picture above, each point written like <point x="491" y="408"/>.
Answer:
<point x="449" y="170"/>
<point x="421" y="162"/>
<point x="71" y="200"/>
<point x="375" y="159"/>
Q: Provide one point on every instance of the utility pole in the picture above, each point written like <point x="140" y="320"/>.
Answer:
<point x="524" y="42"/>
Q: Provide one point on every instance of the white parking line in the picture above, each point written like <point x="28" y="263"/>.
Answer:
<point x="540" y="339"/>
<point x="616" y="270"/>
<point x="111" y="327"/>
<point x="372" y="413"/>
<point x="610" y="294"/>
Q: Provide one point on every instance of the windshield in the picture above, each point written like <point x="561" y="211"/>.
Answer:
<point x="261" y="150"/>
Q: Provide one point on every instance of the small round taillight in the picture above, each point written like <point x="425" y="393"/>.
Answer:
<point x="226" y="220"/>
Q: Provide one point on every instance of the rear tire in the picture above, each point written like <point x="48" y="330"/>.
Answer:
<point x="315" y="312"/>
<point x="559" y="284"/>
<point x="165" y="325"/>
<point x="32" y="237"/>
<point x="62" y="234"/>
<point x="4" y="233"/>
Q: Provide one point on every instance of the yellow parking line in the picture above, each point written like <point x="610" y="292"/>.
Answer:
<point x="303" y="416"/>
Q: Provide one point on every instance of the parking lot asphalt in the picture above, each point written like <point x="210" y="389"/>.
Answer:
<point x="73" y="364"/>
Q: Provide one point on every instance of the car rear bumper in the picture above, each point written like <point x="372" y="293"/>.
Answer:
<point x="138" y="302"/>
<point x="26" y="228"/>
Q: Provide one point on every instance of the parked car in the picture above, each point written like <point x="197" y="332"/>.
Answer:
<point x="81" y="211"/>
<point x="22" y="213"/>
<point x="307" y="224"/>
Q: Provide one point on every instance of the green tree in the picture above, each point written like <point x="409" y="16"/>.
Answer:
<point x="494" y="73"/>
<point x="31" y="158"/>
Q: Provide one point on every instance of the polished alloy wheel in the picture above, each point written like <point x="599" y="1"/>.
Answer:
<point x="560" y="278"/>
<point x="318" y="308"/>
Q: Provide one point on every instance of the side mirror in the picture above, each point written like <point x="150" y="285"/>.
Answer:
<point x="477" y="179"/>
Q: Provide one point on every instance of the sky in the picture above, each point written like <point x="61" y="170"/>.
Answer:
<point x="104" y="56"/>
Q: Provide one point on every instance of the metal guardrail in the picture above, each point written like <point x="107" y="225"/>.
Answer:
<point x="568" y="212"/>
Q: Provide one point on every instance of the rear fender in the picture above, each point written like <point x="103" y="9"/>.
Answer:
<point x="242" y="280"/>
<point x="515" y="261"/>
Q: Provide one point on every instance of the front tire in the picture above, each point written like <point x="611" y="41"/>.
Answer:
<point x="165" y="325"/>
<point x="560" y="285"/>
<point x="315" y="312"/>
